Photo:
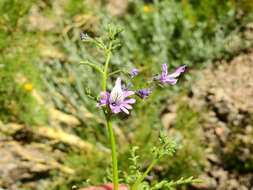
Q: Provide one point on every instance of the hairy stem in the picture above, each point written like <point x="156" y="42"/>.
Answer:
<point x="138" y="182"/>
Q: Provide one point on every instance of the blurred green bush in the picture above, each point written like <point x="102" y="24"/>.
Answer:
<point x="191" y="32"/>
<point x="177" y="33"/>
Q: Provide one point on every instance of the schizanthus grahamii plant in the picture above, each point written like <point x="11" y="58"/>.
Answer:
<point x="121" y="100"/>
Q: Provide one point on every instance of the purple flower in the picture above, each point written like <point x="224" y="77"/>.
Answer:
<point x="170" y="79"/>
<point x="145" y="93"/>
<point x="134" y="73"/>
<point x="84" y="36"/>
<point x="117" y="99"/>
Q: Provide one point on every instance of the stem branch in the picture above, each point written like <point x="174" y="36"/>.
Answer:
<point x="114" y="72"/>
<point x="138" y="182"/>
<point x="117" y="71"/>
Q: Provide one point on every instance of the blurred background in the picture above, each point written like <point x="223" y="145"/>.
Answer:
<point x="53" y="137"/>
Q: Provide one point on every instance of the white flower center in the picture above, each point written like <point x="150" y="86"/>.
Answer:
<point x="116" y="95"/>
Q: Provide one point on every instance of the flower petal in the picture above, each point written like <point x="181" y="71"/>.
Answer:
<point x="106" y="94"/>
<point x="101" y="104"/>
<point x="127" y="93"/>
<point x="171" y="81"/>
<point x="152" y="86"/>
<point x="126" y="106"/>
<point x="124" y="109"/>
<point x="115" y="109"/>
<point x="145" y="92"/>
<point x="116" y="93"/>
<point x="104" y="98"/>
<point x="118" y="82"/>
<point x="178" y="72"/>
<point x="123" y="87"/>
<point x="164" y="73"/>
<point x="129" y="101"/>
<point x="134" y="73"/>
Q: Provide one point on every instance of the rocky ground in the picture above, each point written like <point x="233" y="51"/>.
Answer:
<point x="224" y="97"/>
<point x="30" y="156"/>
<point x="26" y="159"/>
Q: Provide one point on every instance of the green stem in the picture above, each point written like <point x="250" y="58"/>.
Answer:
<point x="114" y="155"/>
<point x="109" y="124"/>
<point x="138" y="182"/>
<point x="106" y="66"/>
<point x="114" y="72"/>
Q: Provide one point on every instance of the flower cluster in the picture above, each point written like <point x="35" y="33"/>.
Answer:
<point x="133" y="72"/>
<point x="117" y="98"/>
<point x="145" y="93"/>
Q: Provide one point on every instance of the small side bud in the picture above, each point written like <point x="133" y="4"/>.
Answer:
<point x="84" y="36"/>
